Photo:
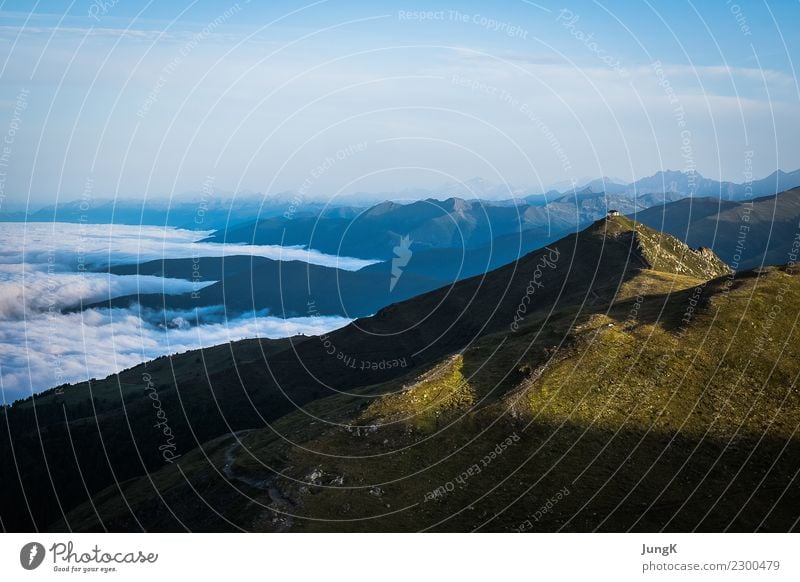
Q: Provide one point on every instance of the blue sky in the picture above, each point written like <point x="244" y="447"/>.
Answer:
<point x="127" y="99"/>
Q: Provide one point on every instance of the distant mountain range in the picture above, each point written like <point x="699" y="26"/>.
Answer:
<point x="447" y="241"/>
<point x="192" y="212"/>
<point x="695" y="185"/>
<point x="428" y="224"/>
<point x="602" y="368"/>
<point x="469" y="223"/>
<point x="200" y="211"/>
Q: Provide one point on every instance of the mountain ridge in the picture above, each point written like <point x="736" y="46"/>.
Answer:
<point x="243" y="207"/>
<point x="621" y="431"/>
<point x="745" y="234"/>
<point x="584" y="271"/>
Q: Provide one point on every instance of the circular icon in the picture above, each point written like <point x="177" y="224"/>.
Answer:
<point x="31" y="555"/>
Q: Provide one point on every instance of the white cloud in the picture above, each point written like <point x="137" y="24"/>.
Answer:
<point x="41" y="347"/>
<point x="49" y="349"/>
<point x="67" y="246"/>
<point x="40" y="291"/>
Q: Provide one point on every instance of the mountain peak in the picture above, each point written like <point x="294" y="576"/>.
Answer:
<point x="382" y="208"/>
<point x="660" y="251"/>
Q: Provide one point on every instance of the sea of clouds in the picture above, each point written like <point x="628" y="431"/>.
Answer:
<point x="45" y="268"/>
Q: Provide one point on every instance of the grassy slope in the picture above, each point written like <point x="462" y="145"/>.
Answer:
<point x="613" y="418"/>
<point x="647" y="420"/>
<point x="762" y="230"/>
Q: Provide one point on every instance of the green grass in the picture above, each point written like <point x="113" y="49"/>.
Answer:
<point x="651" y="419"/>
<point x="428" y="402"/>
<point x="610" y="380"/>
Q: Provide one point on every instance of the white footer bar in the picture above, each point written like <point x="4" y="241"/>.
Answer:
<point x="400" y="557"/>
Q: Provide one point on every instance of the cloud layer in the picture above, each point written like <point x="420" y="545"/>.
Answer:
<point x="70" y="247"/>
<point x="50" y="349"/>
<point x="41" y="347"/>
